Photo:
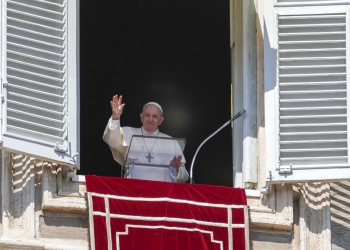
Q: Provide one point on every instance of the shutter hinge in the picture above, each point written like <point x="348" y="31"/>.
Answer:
<point x="286" y="169"/>
<point x="63" y="147"/>
<point x="4" y="84"/>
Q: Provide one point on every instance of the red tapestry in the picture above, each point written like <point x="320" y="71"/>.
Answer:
<point x="128" y="214"/>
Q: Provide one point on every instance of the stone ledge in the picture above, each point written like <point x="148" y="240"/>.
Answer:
<point x="66" y="204"/>
<point x="8" y="243"/>
<point x="268" y="220"/>
<point x="73" y="189"/>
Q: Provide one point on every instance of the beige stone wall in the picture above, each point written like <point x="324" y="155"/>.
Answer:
<point x="41" y="208"/>
<point x="271" y="240"/>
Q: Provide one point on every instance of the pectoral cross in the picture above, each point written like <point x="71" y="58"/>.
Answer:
<point x="149" y="157"/>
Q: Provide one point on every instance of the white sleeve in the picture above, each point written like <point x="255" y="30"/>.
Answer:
<point x="113" y="137"/>
<point x="113" y="124"/>
<point x="182" y="175"/>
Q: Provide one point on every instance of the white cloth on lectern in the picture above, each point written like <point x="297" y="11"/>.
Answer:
<point x="119" y="138"/>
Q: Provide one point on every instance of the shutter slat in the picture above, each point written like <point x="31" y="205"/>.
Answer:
<point x="312" y="75"/>
<point x="57" y="123"/>
<point x="37" y="59"/>
<point x="36" y="102"/>
<point x="36" y="93"/>
<point x="311" y="25"/>
<point x="22" y="82"/>
<point x="312" y="150"/>
<point x="34" y="121"/>
<point x="313" y="108"/>
<point x="314" y="125"/>
<point x="34" y="19"/>
<point x="312" y="33"/>
<point x="282" y="84"/>
<point x="35" y="126"/>
<point x="312" y="116"/>
<point x="37" y="36"/>
<point x="39" y="137"/>
<point x="316" y="158"/>
<point x="314" y="100"/>
<point x="44" y="102"/>
<point x="44" y="4"/>
<point x="17" y="77"/>
<point x="24" y="66"/>
<point x="311" y="50"/>
<point x="39" y="5"/>
<point x="57" y="14"/>
<point x="25" y="58"/>
<point x="30" y="120"/>
<point x="316" y="133"/>
<point x="32" y="75"/>
<point x="35" y="44"/>
<point x="314" y="92"/>
<point x="37" y="16"/>
<point x="36" y="51"/>
<point x="283" y="43"/>
<point x="307" y="18"/>
<point x="313" y="66"/>
<point x="36" y="27"/>
<point x="36" y="110"/>
<point x="314" y="59"/>
<point x="40" y="43"/>
<point x="312" y="141"/>
<point x="321" y="163"/>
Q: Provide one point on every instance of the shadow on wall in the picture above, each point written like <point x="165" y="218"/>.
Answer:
<point x="340" y="215"/>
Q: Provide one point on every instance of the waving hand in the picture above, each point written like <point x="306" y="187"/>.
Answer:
<point x="117" y="107"/>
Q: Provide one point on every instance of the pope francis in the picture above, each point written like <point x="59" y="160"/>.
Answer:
<point x="149" y="151"/>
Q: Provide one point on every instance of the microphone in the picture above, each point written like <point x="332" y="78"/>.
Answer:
<point x="239" y="114"/>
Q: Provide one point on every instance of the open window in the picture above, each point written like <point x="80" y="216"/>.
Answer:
<point x="39" y="79"/>
<point x="306" y="90"/>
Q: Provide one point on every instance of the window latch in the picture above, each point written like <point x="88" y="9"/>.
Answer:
<point x="286" y="169"/>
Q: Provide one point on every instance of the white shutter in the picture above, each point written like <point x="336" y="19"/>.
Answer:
<point x="40" y="83"/>
<point x="312" y="90"/>
<point x="311" y="98"/>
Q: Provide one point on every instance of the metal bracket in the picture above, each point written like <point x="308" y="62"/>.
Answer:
<point x="286" y="169"/>
<point x="63" y="147"/>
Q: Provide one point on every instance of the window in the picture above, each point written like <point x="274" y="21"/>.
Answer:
<point x="306" y="90"/>
<point x="40" y="79"/>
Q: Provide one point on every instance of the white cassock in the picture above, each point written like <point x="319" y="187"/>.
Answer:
<point x="162" y="151"/>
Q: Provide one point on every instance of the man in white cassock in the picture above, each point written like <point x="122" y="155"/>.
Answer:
<point x="144" y="151"/>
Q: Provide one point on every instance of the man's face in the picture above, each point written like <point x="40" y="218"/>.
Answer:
<point x="151" y="118"/>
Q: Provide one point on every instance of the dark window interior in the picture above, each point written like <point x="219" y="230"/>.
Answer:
<point x="175" y="53"/>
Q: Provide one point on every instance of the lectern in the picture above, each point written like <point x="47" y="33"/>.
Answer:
<point x="148" y="157"/>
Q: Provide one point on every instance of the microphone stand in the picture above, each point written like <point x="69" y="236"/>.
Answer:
<point x="239" y="114"/>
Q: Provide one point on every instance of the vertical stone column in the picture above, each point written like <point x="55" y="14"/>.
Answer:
<point x="22" y="195"/>
<point x="244" y="91"/>
<point x="314" y="222"/>
<point x="340" y="215"/>
<point x="250" y="156"/>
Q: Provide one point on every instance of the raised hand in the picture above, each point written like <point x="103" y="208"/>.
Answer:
<point x="117" y="107"/>
<point x="176" y="162"/>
